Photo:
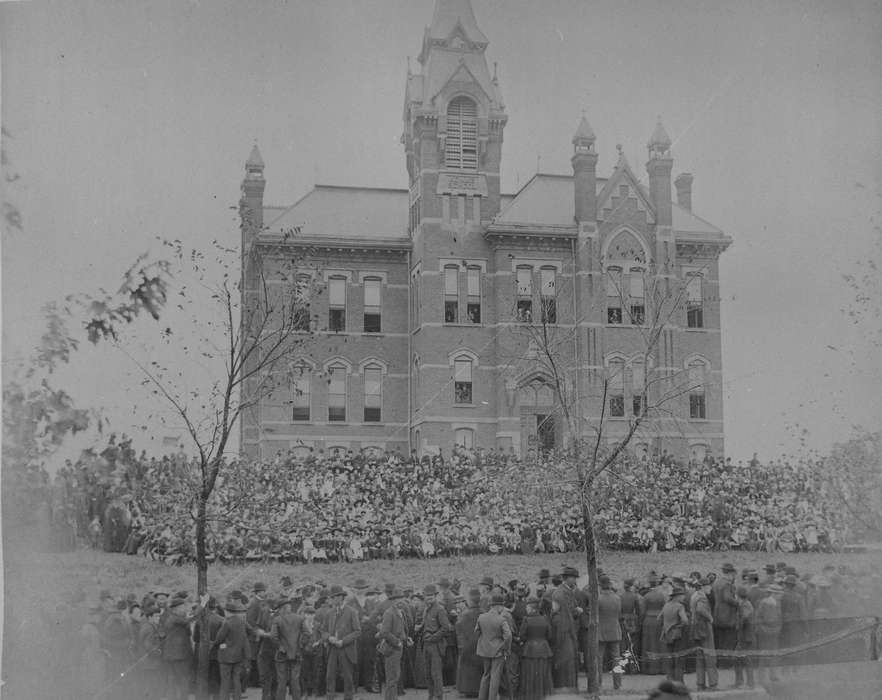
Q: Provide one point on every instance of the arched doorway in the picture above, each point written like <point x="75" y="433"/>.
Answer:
<point x="539" y="424"/>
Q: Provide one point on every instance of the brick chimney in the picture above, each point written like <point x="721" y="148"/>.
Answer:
<point x="683" y="183"/>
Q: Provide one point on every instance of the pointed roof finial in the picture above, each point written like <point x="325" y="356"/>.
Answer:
<point x="623" y="161"/>
<point x="659" y="137"/>
<point x="584" y="132"/>
<point x="254" y="159"/>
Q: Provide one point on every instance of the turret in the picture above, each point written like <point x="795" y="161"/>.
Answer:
<point x="584" y="162"/>
<point x="252" y="193"/>
<point x="658" y="167"/>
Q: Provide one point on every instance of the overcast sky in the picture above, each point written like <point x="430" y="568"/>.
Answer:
<point x="134" y="119"/>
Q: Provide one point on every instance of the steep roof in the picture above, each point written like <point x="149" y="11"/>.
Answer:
<point x="331" y="211"/>
<point x="548" y="200"/>
<point x="449" y="13"/>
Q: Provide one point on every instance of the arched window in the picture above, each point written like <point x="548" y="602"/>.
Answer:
<point x="337" y="392"/>
<point x="301" y="376"/>
<point x="373" y="393"/>
<point x="451" y="294"/>
<point x="461" y="149"/>
<point x="616" y="387"/>
<point x="547" y="292"/>
<point x="697" y="404"/>
<point x="462" y="380"/>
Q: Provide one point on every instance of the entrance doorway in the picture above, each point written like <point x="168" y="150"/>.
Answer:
<point x="544" y="433"/>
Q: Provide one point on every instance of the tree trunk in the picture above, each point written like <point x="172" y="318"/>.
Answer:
<point x="201" y="554"/>
<point x="593" y="662"/>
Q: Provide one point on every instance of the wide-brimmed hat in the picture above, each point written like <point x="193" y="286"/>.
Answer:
<point x="570" y="571"/>
<point x="544" y="573"/>
<point x="360" y="584"/>
<point x="336" y="591"/>
<point x="395" y="594"/>
<point x="487" y="581"/>
<point x="430" y="590"/>
<point x="444" y="582"/>
<point x="728" y="568"/>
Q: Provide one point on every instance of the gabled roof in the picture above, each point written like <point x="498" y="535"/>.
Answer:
<point x="331" y="211"/>
<point x="547" y="200"/>
<point x="622" y="174"/>
<point x="442" y="65"/>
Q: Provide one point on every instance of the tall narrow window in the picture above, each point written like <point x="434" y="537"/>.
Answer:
<point x="694" y="310"/>
<point x="337" y="304"/>
<point x="337" y="393"/>
<point x="451" y="294"/>
<point x="372" y="305"/>
<point x="637" y="303"/>
<point x="300" y="314"/>
<point x="462" y="380"/>
<point x="697" y="406"/>
<point x="548" y="282"/>
<point x="614" y="295"/>
<point x="616" y="388"/>
<point x="473" y="304"/>
<point x="373" y="383"/>
<point x="300" y="385"/>
<point x="525" y="294"/>
<point x="638" y="388"/>
<point x="461" y="148"/>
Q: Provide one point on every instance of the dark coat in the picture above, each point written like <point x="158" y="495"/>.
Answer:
<point x="725" y="607"/>
<point x="436" y="625"/>
<point x="232" y="641"/>
<point x="535" y="633"/>
<point x="470" y="667"/>
<point x="609" y="609"/>
<point x="345" y="626"/>
<point x="392" y="628"/>
<point x="290" y="634"/>
<point x="149" y="646"/>
<point x="175" y="633"/>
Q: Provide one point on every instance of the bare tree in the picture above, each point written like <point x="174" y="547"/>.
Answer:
<point x="592" y="449"/>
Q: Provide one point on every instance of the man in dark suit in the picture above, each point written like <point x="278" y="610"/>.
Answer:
<point x="177" y="654"/>
<point x="290" y="634"/>
<point x="341" y="630"/>
<point x="436" y="626"/>
<point x="257" y="608"/>
<point x="725" y="609"/>
<point x="393" y="637"/>
<point x="364" y="603"/>
<point x="233" y="650"/>
<point x="149" y="651"/>
<point x="207" y="625"/>
<point x="609" y="629"/>
<point x="494" y="644"/>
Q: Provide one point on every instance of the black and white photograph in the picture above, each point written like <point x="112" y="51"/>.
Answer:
<point x="441" y="349"/>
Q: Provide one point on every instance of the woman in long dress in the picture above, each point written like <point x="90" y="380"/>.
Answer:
<point x="563" y="646"/>
<point x="535" y="672"/>
<point x="654" y="601"/>
<point x="470" y="667"/>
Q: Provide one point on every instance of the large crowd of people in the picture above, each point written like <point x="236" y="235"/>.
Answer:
<point x="346" y="506"/>
<point x="522" y="639"/>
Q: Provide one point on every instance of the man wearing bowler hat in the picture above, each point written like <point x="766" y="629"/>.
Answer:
<point x="233" y="650"/>
<point x="436" y="626"/>
<point x="494" y="644"/>
<point x="725" y="609"/>
<point x="364" y="605"/>
<point x="340" y="633"/>
<point x="393" y="637"/>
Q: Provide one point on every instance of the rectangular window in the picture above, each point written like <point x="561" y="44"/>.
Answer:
<point x="696" y="406"/>
<point x="473" y="308"/>
<point x="547" y="292"/>
<point x="616" y="389"/>
<point x="451" y="294"/>
<point x="524" y="295"/>
<point x="300" y="315"/>
<point x="614" y="295"/>
<point x="337" y="304"/>
<point x="373" y="383"/>
<point x="638" y="377"/>
<point x="694" y="310"/>
<point x="462" y="381"/>
<point x="337" y="394"/>
<point x="300" y="400"/>
<point x="372" y="305"/>
<point x="637" y="303"/>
